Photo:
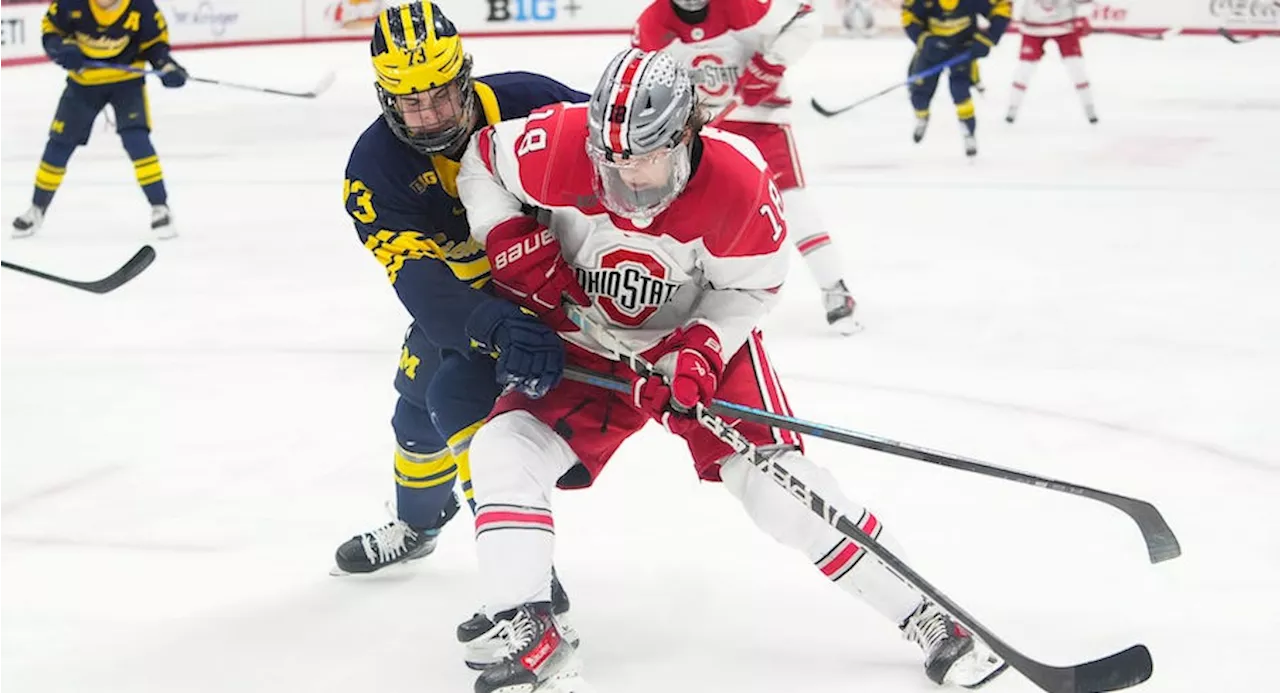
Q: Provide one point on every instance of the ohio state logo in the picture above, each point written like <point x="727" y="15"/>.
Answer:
<point x="712" y="77"/>
<point x="629" y="287"/>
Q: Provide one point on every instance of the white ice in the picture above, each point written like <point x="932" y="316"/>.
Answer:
<point x="1096" y="303"/>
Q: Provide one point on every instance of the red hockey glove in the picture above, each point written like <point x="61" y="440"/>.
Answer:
<point x="1082" y="26"/>
<point x="528" y="269"/>
<point x="759" y="83"/>
<point x="692" y="363"/>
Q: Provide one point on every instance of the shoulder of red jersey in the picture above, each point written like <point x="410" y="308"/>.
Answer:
<point x="549" y="151"/>
<point x="654" y="29"/>
<point x="743" y="14"/>
<point x="731" y="168"/>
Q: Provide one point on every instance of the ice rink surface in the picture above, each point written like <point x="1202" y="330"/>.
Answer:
<point x="1096" y="303"/>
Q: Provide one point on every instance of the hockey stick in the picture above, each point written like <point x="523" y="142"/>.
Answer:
<point x="325" y="82"/>
<point x="923" y="74"/>
<point x="1157" y="36"/>
<point x="1161" y="543"/>
<point x="140" y="261"/>
<point x="1226" y="34"/>
<point x="1129" y="667"/>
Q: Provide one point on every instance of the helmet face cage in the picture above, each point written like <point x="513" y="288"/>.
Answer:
<point x="434" y="121"/>
<point x="690" y="5"/>
<point x="637" y="125"/>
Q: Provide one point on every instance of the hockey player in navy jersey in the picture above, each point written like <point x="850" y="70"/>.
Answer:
<point x="124" y="32"/>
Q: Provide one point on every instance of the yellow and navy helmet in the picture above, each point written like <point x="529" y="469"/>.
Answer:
<point x="424" y="77"/>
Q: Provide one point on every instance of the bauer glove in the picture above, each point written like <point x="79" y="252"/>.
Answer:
<point x="528" y="269"/>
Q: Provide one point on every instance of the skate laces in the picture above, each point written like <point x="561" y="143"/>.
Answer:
<point x="387" y="542"/>
<point x="520" y="631"/>
<point x="927" y="628"/>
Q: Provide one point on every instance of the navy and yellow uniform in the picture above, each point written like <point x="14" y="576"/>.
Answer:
<point x="942" y="29"/>
<point x="405" y="206"/>
<point x="131" y="32"/>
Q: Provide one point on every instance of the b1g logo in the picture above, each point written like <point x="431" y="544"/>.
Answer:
<point x="629" y="287"/>
<point x="712" y="76"/>
<point x="529" y="10"/>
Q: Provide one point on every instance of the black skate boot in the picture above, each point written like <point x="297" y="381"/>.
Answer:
<point x="951" y="654"/>
<point x="486" y="643"/>
<point x="840" y="305"/>
<point x="394" y="542"/>
<point x="537" y="656"/>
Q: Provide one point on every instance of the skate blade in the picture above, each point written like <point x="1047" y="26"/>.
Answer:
<point x="847" y="326"/>
<point x="976" y="672"/>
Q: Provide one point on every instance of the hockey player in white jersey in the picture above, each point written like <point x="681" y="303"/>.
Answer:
<point x="737" y="53"/>
<point x="1058" y="21"/>
<point x="672" y="237"/>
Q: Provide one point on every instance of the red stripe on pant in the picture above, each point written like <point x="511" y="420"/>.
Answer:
<point x="490" y="519"/>
<point x="812" y="243"/>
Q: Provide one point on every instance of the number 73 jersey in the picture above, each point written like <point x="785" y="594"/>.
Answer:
<point x="714" y="256"/>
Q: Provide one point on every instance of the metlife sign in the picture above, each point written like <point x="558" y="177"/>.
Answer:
<point x="531" y="10"/>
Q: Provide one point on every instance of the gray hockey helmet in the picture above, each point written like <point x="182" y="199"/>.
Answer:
<point x="690" y="5"/>
<point x="638" y="117"/>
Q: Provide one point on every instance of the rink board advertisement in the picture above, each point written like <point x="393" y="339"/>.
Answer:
<point x="207" y="23"/>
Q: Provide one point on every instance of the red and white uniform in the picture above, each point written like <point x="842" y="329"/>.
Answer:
<point x="697" y="261"/>
<point x="1056" y="19"/>
<point x="714" y="257"/>
<point x="717" y="51"/>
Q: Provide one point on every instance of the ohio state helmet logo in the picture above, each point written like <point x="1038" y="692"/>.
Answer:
<point x="629" y="286"/>
<point x="711" y="76"/>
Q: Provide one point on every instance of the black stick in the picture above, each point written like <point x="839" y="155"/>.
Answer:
<point x="140" y="261"/>
<point x="1129" y="667"/>
<point x="1161" y="542"/>
<point x="1226" y="34"/>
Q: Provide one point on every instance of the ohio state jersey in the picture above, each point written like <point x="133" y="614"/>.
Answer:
<point x="717" y="49"/>
<point x="1049" y="17"/>
<point x="714" y="256"/>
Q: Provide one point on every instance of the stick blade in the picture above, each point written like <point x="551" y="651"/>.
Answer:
<point x="323" y="85"/>
<point x="1117" y="672"/>
<point x="130" y="269"/>
<point x="822" y="109"/>
<point x="1112" y="673"/>
<point x="1162" y="545"/>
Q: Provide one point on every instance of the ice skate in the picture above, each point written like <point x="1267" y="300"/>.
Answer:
<point x="951" y="654"/>
<point x="922" y="124"/>
<point x="162" y="222"/>
<point x="392" y="543"/>
<point x="1091" y="114"/>
<point x="970" y="145"/>
<point x="27" y="224"/>
<point x="538" y="656"/>
<point x="486" y="643"/>
<point x="1012" y="115"/>
<point x="840" y="306"/>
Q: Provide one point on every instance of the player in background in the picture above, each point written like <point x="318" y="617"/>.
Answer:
<point x="738" y="52"/>
<point x="401" y="192"/>
<point x="941" y="30"/>
<point x="1059" y="21"/>
<point x="671" y="235"/>
<point x="126" y="32"/>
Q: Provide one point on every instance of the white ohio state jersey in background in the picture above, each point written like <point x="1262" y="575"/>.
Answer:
<point x="1048" y="17"/>
<point x="714" y="256"/>
<point x="717" y="49"/>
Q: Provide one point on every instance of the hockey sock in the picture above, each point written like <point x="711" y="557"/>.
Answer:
<point x="965" y="112"/>
<point x="460" y="444"/>
<point x="53" y="166"/>
<point x="1021" y="78"/>
<point x="424" y="483"/>
<point x="840" y="560"/>
<point x="1075" y="68"/>
<point x="517" y="460"/>
<point x="805" y="223"/>
<point x="146" y="165"/>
